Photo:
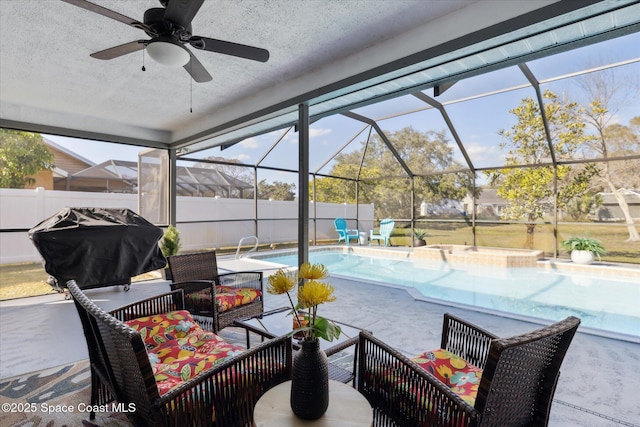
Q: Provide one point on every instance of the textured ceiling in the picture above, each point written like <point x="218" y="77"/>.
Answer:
<point x="49" y="83"/>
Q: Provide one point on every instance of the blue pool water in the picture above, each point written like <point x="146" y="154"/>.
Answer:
<point x="611" y="307"/>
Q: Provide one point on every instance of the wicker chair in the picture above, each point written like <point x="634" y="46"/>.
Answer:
<point x="197" y="275"/>
<point x="121" y="371"/>
<point x="518" y="380"/>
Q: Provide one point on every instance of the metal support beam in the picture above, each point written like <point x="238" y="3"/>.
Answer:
<point x="383" y="137"/>
<point x="413" y="206"/>
<point x="545" y="122"/>
<point x="303" y="184"/>
<point x="438" y="106"/>
<point x="342" y="148"/>
<point x="256" y="230"/>
<point x="474" y="211"/>
<point x="315" y="210"/>
<point x="173" y="187"/>
<point x="536" y="85"/>
<point x="555" y="213"/>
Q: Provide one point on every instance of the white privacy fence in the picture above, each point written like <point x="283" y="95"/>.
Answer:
<point x="203" y="222"/>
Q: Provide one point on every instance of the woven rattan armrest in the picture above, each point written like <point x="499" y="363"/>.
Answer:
<point x="207" y="313"/>
<point x="158" y="304"/>
<point x="402" y="392"/>
<point x="198" y="306"/>
<point x="242" y="279"/>
<point x="193" y="285"/>
<point x="466" y="340"/>
<point x="230" y="389"/>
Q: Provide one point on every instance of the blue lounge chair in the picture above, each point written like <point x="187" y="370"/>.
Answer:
<point x="384" y="234"/>
<point x="345" y="233"/>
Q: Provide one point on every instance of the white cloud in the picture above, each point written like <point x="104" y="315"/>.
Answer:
<point x="249" y="143"/>
<point x="292" y="137"/>
<point x="481" y="154"/>
<point x="315" y="132"/>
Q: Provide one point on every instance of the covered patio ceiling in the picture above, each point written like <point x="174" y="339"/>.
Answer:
<point x="333" y="56"/>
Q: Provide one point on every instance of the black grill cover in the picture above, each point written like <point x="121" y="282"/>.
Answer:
<point x="97" y="246"/>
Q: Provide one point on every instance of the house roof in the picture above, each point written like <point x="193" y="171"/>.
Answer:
<point x="189" y="180"/>
<point x="489" y="196"/>
<point x="66" y="151"/>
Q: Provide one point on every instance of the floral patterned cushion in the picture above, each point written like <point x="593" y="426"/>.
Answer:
<point x="463" y="378"/>
<point x="227" y="297"/>
<point x="180" y="360"/>
<point x="179" y="349"/>
<point x="158" y="329"/>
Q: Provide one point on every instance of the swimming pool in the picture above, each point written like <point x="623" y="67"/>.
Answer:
<point x="607" y="307"/>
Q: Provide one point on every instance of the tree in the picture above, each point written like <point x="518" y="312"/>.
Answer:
<point x="241" y="172"/>
<point x="612" y="139"/>
<point x="580" y="208"/>
<point x="227" y="166"/>
<point x="530" y="190"/>
<point x="22" y="155"/>
<point x="276" y="191"/>
<point x="384" y="182"/>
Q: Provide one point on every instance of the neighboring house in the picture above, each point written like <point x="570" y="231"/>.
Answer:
<point x="489" y="204"/>
<point x="443" y="208"/>
<point x="75" y="173"/>
<point x="610" y="209"/>
<point x="66" y="163"/>
<point x="112" y="176"/>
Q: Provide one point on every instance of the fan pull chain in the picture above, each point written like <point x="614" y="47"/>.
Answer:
<point x="191" y="89"/>
<point x="143" y="68"/>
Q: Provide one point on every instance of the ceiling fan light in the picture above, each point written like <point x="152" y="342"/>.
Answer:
<point x="168" y="53"/>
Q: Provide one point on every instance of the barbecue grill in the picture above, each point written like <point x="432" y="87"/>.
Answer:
<point x="97" y="247"/>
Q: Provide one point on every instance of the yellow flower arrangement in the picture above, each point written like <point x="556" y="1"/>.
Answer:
<point x="311" y="293"/>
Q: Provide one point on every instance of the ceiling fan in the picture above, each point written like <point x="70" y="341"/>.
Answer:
<point x="170" y="30"/>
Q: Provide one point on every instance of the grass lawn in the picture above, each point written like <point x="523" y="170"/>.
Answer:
<point x="613" y="237"/>
<point x="29" y="280"/>
<point x="23" y="280"/>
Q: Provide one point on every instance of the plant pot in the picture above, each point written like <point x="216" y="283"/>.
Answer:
<point x="582" y="257"/>
<point x="310" y="381"/>
<point x="418" y="242"/>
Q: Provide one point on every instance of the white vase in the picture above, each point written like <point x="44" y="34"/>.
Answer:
<point x="582" y="257"/>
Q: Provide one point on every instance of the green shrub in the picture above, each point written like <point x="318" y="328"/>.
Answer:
<point x="170" y="243"/>
<point x="419" y="234"/>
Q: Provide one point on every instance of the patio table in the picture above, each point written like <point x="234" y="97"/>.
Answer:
<point x="347" y="408"/>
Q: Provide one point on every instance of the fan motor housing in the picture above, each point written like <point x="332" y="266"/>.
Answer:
<point x="154" y="18"/>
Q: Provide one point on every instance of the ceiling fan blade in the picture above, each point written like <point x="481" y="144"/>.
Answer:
<point x="197" y="70"/>
<point x="123" y="49"/>
<point x="229" y="48"/>
<point x="110" y="14"/>
<point x="182" y="12"/>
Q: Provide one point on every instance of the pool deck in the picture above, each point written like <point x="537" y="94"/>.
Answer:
<point x="597" y="387"/>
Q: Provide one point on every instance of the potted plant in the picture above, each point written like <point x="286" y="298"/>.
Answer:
<point x="583" y="249"/>
<point x="170" y="245"/>
<point x="309" y="376"/>
<point x="419" y="236"/>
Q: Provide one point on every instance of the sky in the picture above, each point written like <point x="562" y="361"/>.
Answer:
<point x="477" y="120"/>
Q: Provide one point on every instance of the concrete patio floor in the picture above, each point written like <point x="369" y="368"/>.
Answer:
<point x="597" y="387"/>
